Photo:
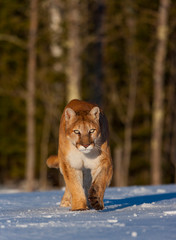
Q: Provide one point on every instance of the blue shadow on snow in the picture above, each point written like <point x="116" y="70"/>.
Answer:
<point x="138" y="200"/>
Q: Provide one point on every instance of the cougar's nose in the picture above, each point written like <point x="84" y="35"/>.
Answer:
<point x="86" y="145"/>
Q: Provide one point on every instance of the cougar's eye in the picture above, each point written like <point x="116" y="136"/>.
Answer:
<point x="76" y="131"/>
<point x="91" y="130"/>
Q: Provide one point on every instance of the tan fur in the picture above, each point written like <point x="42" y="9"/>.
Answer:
<point x="84" y="155"/>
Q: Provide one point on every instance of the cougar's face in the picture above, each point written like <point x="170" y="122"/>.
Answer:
<point x="83" y="131"/>
<point x="85" y="136"/>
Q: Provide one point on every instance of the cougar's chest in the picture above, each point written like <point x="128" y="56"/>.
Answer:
<point x="78" y="160"/>
<point x="90" y="161"/>
<point x="74" y="158"/>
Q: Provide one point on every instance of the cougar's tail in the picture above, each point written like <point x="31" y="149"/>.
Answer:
<point x="53" y="162"/>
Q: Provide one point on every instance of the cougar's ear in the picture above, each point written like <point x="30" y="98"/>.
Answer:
<point x="95" y="113"/>
<point x="69" y="114"/>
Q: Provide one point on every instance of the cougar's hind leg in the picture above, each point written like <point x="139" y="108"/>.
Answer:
<point x="66" y="199"/>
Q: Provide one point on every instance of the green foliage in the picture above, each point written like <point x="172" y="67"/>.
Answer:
<point x="12" y="131"/>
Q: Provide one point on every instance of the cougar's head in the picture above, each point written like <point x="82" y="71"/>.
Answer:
<point x="82" y="128"/>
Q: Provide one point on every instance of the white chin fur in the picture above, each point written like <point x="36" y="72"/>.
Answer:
<point x="85" y="150"/>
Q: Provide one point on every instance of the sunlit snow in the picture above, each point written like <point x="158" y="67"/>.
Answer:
<point x="130" y="212"/>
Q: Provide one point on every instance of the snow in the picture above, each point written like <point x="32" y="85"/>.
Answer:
<point x="130" y="213"/>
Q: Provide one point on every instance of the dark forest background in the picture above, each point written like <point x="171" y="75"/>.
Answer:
<point x="119" y="54"/>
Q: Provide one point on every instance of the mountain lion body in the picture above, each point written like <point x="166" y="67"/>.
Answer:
<point x="83" y="156"/>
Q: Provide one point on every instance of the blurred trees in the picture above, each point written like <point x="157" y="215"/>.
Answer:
<point x="158" y="93"/>
<point x="108" y="52"/>
<point x="30" y="98"/>
<point x="74" y="50"/>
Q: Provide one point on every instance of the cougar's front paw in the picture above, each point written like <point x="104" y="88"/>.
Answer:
<point x="79" y="209"/>
<point x="79" y="204"/>
<point x="95" y="200"/>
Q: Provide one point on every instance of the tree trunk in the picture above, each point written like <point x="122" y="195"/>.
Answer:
<point x="44" y="149"/>
<point x="74" y="50"/>
<point x="173" y="147"/>
<point x="158" y="78"/>
<point x="132" y="79"/>
<point x="170" y="116"/>
<point x="51" y="98"/>
<point x="30" y="98"/>
<point x="55" y="31"/>
<point x="118" y="178"/>
<point x="173" y="122"/>
<point x="99" y="50"/>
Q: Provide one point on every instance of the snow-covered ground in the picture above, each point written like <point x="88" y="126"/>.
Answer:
<point x="130" y="213"/>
